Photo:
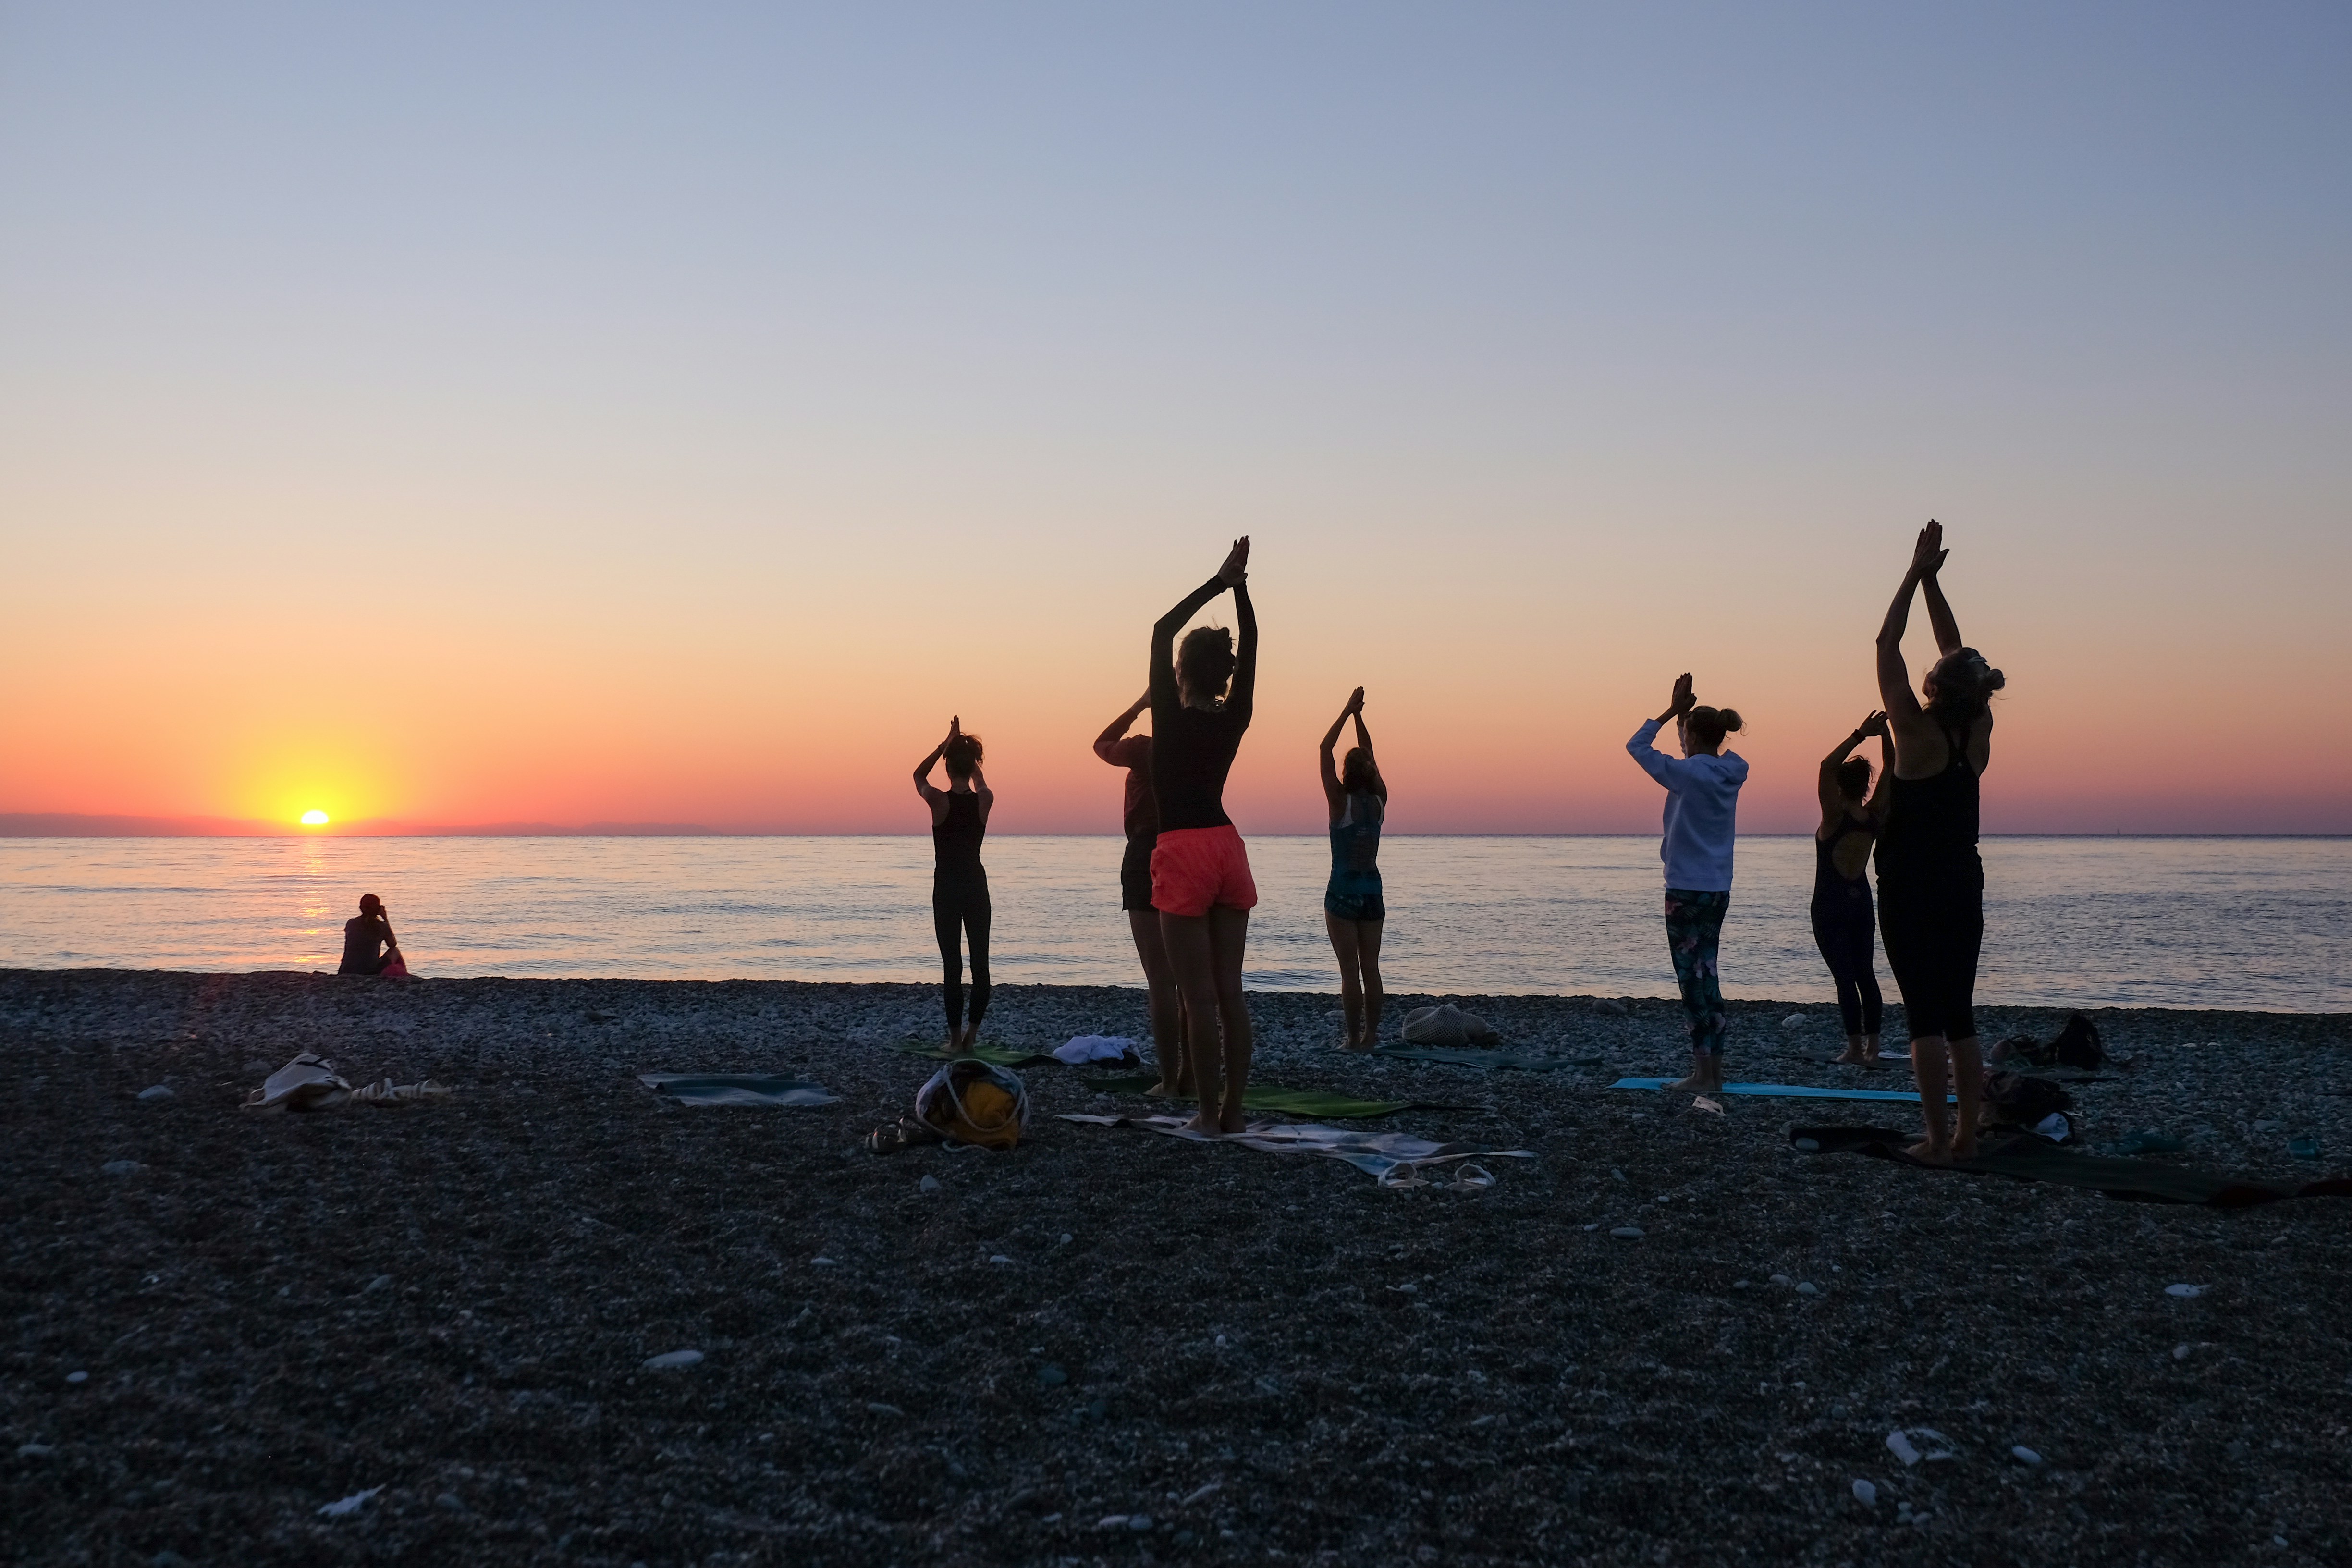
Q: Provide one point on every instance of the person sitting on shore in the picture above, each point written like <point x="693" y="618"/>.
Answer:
<point x="1930" y="876"/>
<point x="1702" y="808"/>
<point x="960" y="906"/>
<point x="1140" y="818"/>
<point x="1845" y="924"/>
<point x="369" y="946"/>
<point x="1353" y="911"/>
<point x="1201" y="700"/>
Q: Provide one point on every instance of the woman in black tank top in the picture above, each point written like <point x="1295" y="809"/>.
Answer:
<point x="1846" y="927"/>
<point x="1930" y="879"/>
<point x="959" y="908"/>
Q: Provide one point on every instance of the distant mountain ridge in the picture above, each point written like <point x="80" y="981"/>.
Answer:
<point x="73" y="825"/>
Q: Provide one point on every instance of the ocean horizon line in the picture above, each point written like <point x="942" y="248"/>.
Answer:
<point x="12" y="827"/>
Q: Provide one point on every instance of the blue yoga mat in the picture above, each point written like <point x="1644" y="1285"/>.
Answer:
<point x="1790" y="1091"/>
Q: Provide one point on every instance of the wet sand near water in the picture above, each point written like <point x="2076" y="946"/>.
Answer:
<point x="1234" y="1357"/>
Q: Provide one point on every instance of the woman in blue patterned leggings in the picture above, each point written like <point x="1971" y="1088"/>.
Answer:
<point x="1701" y="806"/>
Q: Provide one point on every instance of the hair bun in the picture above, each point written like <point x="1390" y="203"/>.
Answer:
<point x="1731" y="719"/>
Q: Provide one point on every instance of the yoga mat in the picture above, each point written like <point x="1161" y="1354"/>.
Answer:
<point x="1394" y="1159"/>
<point x="1268" y="1097"/>
<point x="1789" y="1090"/>
<point x="736" y="1089"/>
<point x="994" y="1055"/>
<point x="2029" y="1159"/>
<point x="1505" y="1060"/>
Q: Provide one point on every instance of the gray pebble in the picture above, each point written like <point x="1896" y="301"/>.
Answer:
<point x="157" y="1092"/>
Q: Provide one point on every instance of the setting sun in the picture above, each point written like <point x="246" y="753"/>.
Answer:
<point x="314" y="817"/>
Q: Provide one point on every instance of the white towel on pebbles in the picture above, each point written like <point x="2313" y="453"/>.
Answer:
<point x="1085" y="1048"/>
<point x="310" y="1082"/>
<point x="1447" y="1025"/>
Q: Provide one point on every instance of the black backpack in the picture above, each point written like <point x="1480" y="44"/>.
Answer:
<point x="2022" y="1099"/>
<point x="2078" y="1044"/>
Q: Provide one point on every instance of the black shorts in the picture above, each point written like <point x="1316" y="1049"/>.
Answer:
<point x="1135" y="874"/>
<point x="1934" y="929"/>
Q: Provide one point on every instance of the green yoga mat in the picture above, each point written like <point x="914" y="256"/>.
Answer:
<point x="994" y="1055"/>
<point x="2029" y="1159"/>
<point x="1508" y="1062"/>
<point x="1267" y="1097"/>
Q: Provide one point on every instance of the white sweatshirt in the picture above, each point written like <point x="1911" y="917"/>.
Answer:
<point x="1702" y="808"/>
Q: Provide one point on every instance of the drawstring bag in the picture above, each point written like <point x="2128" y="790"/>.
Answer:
<point x="975" y="1102"/>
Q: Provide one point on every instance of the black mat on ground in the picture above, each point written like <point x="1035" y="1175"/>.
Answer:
<point x="2029" y="1159"/>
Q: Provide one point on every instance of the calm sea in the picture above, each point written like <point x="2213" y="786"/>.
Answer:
<point x="2186" y="922"/>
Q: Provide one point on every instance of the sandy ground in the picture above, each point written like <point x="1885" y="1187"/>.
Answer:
<point x="1240" y="1357"/>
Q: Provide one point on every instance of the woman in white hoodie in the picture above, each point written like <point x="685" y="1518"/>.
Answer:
<point x="1702" y="807"/>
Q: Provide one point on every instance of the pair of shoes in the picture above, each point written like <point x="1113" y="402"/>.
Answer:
<point x="905" y="1135"/>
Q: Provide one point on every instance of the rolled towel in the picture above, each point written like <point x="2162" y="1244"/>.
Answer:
<point x="1447" y="1025"/>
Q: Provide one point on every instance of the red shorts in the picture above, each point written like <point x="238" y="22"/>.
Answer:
<point x="1195" y="868"/>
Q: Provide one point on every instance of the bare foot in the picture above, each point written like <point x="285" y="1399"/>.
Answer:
<point x="1691" y="1085"/>
<point x="1964" y="1148"/>
<point x="1931" y="1153"/>
<point x="1231" y="1122"/>
<point x="955" y="1046"/>
<point x="1355" y="1045"/>
<point x="1854" y="1058"/>
<point x="1876" y="1064"/>
<point x="1165" y="1091"/>
<point x="1204" y="1121"/>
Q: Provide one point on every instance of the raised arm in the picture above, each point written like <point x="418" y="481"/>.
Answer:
<point x="1826" y="784"/>
<point x="1116" y="730"/>
<point x="1242" y="697"/>
<point x="1894" y="691"/>
<point x="1331" y="793"/>
<point x="923" y="785"/>
<point x="1232" y="574"/>
<point x="1939" y="609"/>
<point x="1832" y="800"/>
<point x="1653" y="762"/>
<point x="1875" y="807"/>
<point x="1364" y="739"/>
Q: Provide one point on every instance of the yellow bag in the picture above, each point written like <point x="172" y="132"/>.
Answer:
<point x="972" y="1101"/>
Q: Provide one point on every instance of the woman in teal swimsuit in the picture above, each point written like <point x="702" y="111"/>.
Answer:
<point x="1352" y="908"/>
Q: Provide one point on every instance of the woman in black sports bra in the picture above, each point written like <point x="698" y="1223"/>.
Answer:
<point x="960" y="906"/>
<point x="1930" y="878"/>
<point x="1845" y="925"/>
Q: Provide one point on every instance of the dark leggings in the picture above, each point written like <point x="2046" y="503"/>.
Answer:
<point x="960" y="910"/>
<point x="1847" y="934"/>
<point x="1933" y="927"/>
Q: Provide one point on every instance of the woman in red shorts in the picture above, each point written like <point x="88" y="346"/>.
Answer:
<point x="1200" y="871"/>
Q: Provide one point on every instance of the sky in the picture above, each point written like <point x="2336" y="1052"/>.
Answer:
<point x="458" y="414"/>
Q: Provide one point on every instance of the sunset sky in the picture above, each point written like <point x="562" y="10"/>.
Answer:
<point x="598" y="413"/>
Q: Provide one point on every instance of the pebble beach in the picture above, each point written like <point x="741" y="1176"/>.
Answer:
<point x="1112" y="1346"/>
